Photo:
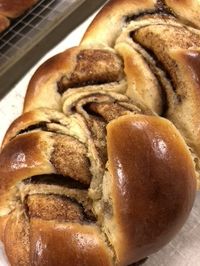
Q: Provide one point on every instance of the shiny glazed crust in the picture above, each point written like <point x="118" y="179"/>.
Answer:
<point x="103" y="165"/>
<point x="154" y="189"/>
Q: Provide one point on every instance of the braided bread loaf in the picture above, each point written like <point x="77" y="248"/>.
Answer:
<point x="11" y="9"/>
<point x="103" y="165"/>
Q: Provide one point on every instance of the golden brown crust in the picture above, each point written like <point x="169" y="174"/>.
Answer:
<point x="44" y="81"/>
<point x="11" y="9"/>
<point x="187" y="110"/>
<point x="110" y="20"/>
<point x="3" y="222"/>
<point x="164" y="191"/>
<point x="74" y="191"/>
<point x="16" y="239"/>
<point x="38" y="119"/>
<point x="27" y="155"/>
<point x="71" y="69"/>
<point x="187" y="10"/>
<point x="142" y="85"/>
<point x="84" y="245"/>
<point x="22" y="122"/>
<point x="15" y="8"/>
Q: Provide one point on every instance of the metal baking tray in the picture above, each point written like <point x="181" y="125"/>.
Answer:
<point x="36" y="32"/>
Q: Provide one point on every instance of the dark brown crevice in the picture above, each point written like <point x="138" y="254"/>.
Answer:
<point x="160" y="9"/>
<point x="97" y="128"/>
<point x="159" y="65"/>
<point x="63" y="182"/>
<point x="93" y="113"/>
<point x="100" y="114"/>
<point x="54" y="179"/>
<point x="162" y="13"/>
<point x="112" y="110"/>
<point x="26" y="208"/>
<point x="69" y="155"/>
<point x="107" y="111"/>
<point x="165" y="104"/>
<point x="141" y="262"/>
<point x="61" y="88"/>
<point x="40" y="125"/>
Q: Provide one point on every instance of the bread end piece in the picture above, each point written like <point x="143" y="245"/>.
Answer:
<point x="152" y="185"/>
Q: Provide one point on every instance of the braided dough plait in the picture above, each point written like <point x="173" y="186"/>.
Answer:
<point x="40" y="172"/>
<point x="165" y="36"/>
<point x="93" y="173"/>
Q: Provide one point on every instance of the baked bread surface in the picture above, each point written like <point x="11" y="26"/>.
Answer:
<point x="12" y="9"/>
<point x="102" y="167"/>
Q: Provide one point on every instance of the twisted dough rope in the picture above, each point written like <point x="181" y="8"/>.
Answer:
<point x="68" y="196"/>
<point x="159" y="40"/>
<point x="160" y="53"/>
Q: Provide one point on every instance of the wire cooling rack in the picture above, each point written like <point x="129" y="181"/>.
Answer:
<point x="23" y="29"/>
<point x="34" y="33"/>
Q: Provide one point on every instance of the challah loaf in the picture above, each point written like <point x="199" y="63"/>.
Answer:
<point x="11" y="9"/>
<point x="103" y="165"/>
